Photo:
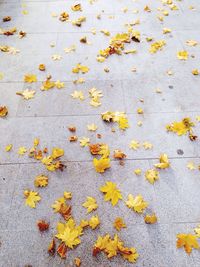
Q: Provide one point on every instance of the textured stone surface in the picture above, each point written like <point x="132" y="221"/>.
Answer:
<point x="174" y="197"/>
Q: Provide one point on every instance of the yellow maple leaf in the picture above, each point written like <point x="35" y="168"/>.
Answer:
<point x="105" y="32"/>
<point x="136" y="203"/>
<point x="92" y="127"/>
<point x="70" y="237"/>
<point x="31" y="198"/>
<point x="77" y="262"/>
<point x="90" y="204"/>
<point x="152" y="175"/>
<point x="47" y="85"/>
<point x="188" y="241"/>
<point x="157" y="46"/>
<point x="191" y="166"/>
<point x="138" y="171"/>
<point x="57" y="152"/>
<point x="182" y="55"/>
<point x="3" y="111"/>
<point x="56" y="57"/>
<point x="112" y="246"/>
<point x="130" y="51"/>
<point x="1" y="76"/>
<point x="101" y="164"/>
<point x="8" y="147"/>
<point x="41" y="181"/>
<point x="26" y="94"/>
<point x="78" y="95"/>
<point x="134" y="144"/>
<point x="47" y="160"/>
<point x="191" y="42"/>
<point x="22" y="150"/>
<point x="119" y="224"/>
<point x="123" y="123"/>
<point x="80" y="68"/>
<point x="94" y="222"/>
<point x="166" y="30"/>
<point x="95" y="102"/>
<point x="112" y="193"/>
<point x="69" y="233"/>
<point x="164" y="162"/>
<point x="150" y="219"/>
<point x="76" y="7"/>
<point x="84" y="141"/>
<point x="72" y="48"/>
<point x="100" y="59"/>
<point x="181" y="127"/>
<point x="147" y="145"/>
<point x="59" y="84"/>
<point x="67" y="195"/>
<point x="197" y="231"/>
<point x="57" y="204"/>
<point x="130" y="254"/>
<point x="195" y="72"/>
<point x="30" y="78"/>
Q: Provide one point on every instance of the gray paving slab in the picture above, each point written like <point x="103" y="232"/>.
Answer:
<point x="174" y="197"/>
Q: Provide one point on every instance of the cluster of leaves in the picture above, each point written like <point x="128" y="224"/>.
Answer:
<point x="112" y="247"/>
<point x="119" y="117"/>
<point x="69" y="233"/>
<point x="117" y="44"/>
<point x="183" y="127"/>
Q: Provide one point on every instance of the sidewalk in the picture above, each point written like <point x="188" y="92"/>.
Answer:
<point x="153" y="89"/>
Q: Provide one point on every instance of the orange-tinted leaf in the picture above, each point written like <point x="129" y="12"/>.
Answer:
<point x="42" y="225"/>
<point x="62" y="250"/>
<point x="52" y="247"/>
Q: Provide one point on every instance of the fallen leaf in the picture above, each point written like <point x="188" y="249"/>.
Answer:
<point x="3" y="111"/>
<point x="157" y="46"/>
<point x="52" y="247"/>
<point x="57" y="152"/>
<point x="41" y="181"/>
<point x="182" y="55"/>
<point x="8" y="147"/>
<point x="76" y="7"/>
<point x="84" y="141"/>
<point x="42" y="225"/>
<point x="134" y="144"/>
<point x="150" y="219"/>
<point x="22" y="150"/>
<point x="101" y="164"/>
<point x="62" y="250"/>
<point x="138" y="171"/>
<point x="26" y="94"/>
<point x="191" y="166"/>
<point x="31" y="198"/>
<point x="164" y="162"/>
<point x="197" y="231"/>
<point x="90" y="204"/>
<point x="147" y="145"/>
<point x="78" y="95"/>
<point x="30" y="78"/>
<point x="136" y="203"/>
<point x="119" y="224"/>
<point x="80" y="68"/>
<point x="94" y="222"/>
<point x="92" y="127"/>
<point x="188" y="241"/>
<point x="77" y="262"/>
<point x="152" y="175"/>
<point x="111" y="193"/>
<point x="118" y="154"/>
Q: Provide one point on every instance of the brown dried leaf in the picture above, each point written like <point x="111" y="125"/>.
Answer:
<point x="42" y="225"/>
